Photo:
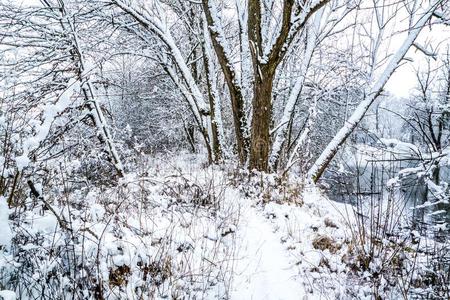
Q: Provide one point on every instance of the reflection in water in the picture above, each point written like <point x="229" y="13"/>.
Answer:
<point x="396" y="211"/>
<point x="369" y="180"/>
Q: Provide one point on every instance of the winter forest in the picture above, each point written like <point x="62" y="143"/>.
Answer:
<point x="225" y="149"/>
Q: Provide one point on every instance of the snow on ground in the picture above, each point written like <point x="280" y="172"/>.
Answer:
<point x="178" y="229"/>
<point x="263" y="270"/>
<point x="181" y="230"/>
<point x="7" y="295"/>
<point x="314" y="233"/>
<point x="270" y="242"/>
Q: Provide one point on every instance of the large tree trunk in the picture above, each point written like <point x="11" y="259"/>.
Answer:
<point x="262" y="116"/>
<point x="264" y="67"/>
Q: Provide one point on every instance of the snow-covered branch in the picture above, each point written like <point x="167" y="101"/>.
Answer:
<point x="155" y="25"/>
<point x="330" y="151"/>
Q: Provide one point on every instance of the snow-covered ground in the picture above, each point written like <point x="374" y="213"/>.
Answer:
<point x="264" y="269"/>
<point x="182" y="231"/>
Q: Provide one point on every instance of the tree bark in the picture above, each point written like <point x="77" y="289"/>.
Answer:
<point x="261" y="121"/>
<point x="216" y="147"/>
<point x="264" y="69"/>
<point x="234" y="89"/>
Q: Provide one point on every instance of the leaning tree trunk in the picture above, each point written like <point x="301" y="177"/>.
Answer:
<point x="96" y="113"/>
<point x="320" y="165"/>
<point x="223" y="51"/>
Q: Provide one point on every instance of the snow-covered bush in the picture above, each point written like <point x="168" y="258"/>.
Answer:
<point x="154" y="237"/>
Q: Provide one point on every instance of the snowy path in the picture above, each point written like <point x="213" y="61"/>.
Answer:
<point x="263" y="270"/>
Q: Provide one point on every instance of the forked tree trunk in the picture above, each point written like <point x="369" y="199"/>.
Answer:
<point x="264" y="68"/>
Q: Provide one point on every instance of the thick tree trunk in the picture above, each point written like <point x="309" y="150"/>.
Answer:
<point x="264" y="67"/>
<point x="262" y="116"/>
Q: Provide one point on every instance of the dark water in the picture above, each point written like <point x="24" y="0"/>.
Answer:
<point x="368" y="181"/>
<point x="365" y="185"/>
